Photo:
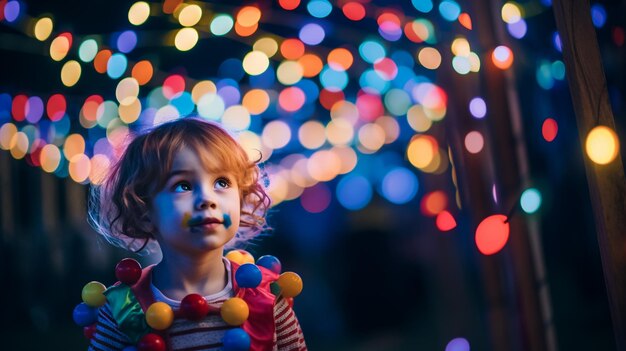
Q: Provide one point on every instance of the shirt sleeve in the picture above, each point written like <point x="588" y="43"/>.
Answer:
<point x="107" y="336"/>
<point x="288" y="332"/>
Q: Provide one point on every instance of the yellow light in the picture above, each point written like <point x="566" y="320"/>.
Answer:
<point x="289" y="72"/>
<point x="74" y="145"/>
<point x="339" y="132"/>
<point x="130" y="113"/>
<point x="256" y="101"/>
<point x="417" y="118"/>
<point x="79" y="168"/>
<point x="202" y="88"/>
<point x="236" y="118"/>
<point x="430" y="58"/>
<point x="59" y="47"/>
<point x="602" y="145"/>
<point x="248" y="16"/>
<point x="421" y="151"/>
<point x="300" y="174"/>
<point x="474" y="62"/>
<point x="324" y="165"/>
<point x="255" y="63"/>
<point x="460" y="47"/>
<point x="345" y="110"/>
<point x="511" y="13"/>
<point x="50" y="158"/>
<point x="19" y="145"/>
<point x="7" y="132"/>
<point x="43" y="28"/>
<point x="276" y="134"/>
<point x="267" y="45"/>
<point x="127" y="91"/>
<point x="186" y="39"/>
<point x="138" y="13"/>
<point x="372" y="136"/>
<point x="312" y="135"/>
<point x="70" y="73"/>
<point x="278" y="187"/>
<point x="190" y="15"/>
<point x="251" y="143"/>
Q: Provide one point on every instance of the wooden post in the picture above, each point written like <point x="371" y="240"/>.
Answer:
<point x="607" y="184"/>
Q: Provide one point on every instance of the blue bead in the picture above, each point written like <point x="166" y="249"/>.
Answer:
<point x="84" y="315"/>
<point x="270" y="262"/>
<point x="248" y="276"/>
<point x="236" y="340"/>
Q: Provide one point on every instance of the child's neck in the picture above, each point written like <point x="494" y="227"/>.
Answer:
<point x="177" y="276"/>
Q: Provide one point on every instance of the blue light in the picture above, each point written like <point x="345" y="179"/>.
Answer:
<point x="5" y="107"/>
<point x="264" y="80"/>
<point x="333" y="80"/>
<point x="544" y="76"/>
<point x="558" y="70"/>
<point x="422" y="5"/>
<point x="319" y="8"/>
<point x="530" y="200"/>
<point x="556" y="39"/>
<point x="458" y="344"/>
<point x="183" y="103"/>
<point x="354" y="192"/>
<point x="310" y="89"/>
<point x="517" y="29"/>
<point x="399" y="186"/>
<point x="312" y="34"/>
<point x="598" y="15"/>
<point x="117" y="65"/>
<point x="371" y="51"/>
<point x="403" y="58"/>
<point x="126" y="41"/>
<point x="231" y="68"/>
<point x="449" y="10"/>
<point x="372" y="82"/>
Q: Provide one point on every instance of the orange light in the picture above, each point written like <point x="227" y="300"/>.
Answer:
<point x="142" y="72"/>
<point x="292" y="49"/>
<point x="433" y="203"/>
<point x="465" y="20"/>
<point x="101" y="60"/>
<point x="502" y="57"/>
<point x="311" y="65"/>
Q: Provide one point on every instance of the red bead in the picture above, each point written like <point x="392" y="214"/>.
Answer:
<point x="151" y="342"/>
<point x="194" y="307"/>
<point x="128" y="271"/>
<point x="89" y="331"/>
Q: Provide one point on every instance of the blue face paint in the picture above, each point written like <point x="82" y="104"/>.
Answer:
<point x="227" y="221"/>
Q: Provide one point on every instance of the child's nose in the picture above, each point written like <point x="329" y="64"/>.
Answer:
<point x="205" y="200"/>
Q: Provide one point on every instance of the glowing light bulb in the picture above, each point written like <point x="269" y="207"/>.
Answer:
<point x="602" y="145"/>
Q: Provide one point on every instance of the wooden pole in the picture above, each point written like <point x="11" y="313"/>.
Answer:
<point x="607" y="184"/>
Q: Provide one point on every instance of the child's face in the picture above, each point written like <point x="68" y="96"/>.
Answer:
<point x="191" y="198"/>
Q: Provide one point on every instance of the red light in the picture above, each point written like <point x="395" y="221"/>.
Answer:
<point x="549" y="129"/>
<point x="354" y="11"/>
<point x="173" y="85"/>
<point x="445" y="222"/>
<point x="492" y="234"/>
<point x="56" y="107"/>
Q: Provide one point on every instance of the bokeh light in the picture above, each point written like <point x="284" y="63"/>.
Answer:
<point x="602" y="145"/>
<point x="399" y="185"/>
<point x="492" y="234"/>
<point x="530" y="200"/>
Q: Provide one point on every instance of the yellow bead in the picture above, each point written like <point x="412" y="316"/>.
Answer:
<point x="93" y="294"/>
<point x="290" y="284"/>
<point x="234" y="311"/>
<point x="159" y="316"/>
<point x="240" y="257"/>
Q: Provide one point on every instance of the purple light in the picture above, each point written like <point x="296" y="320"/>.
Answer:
<point x="477" y="107"/>
<point x="34" y="109"/>
<point x="312" y="34"/>
<point x="102" y="146"/>
<point x="389" y="30"/>
<point x="557" y="42"/>
<point x="517" y="29"/>
<point x="458" y="344"/>
<point x="316" y="198"/>
<point x="11" y="11"/>
<point x="127" y="41"/>
<point x="230" y="95"/>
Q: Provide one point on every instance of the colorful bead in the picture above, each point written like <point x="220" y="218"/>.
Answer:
<point x="194" y="307"/>
<point x="236" y="340"/>
<point x="128" y="271"/>
<point x="270" y="262"/>
<point x="290" y="284"/>
<point x="93" y="294"/>
<point x="235" y="311"/>
<point x="240" y="256"/>
<point x="248" y="275"/>
<point x="84" y="315"/>
<point x="151" y="342"/>
<point x="159" y="316"/>
<point x="89" y="331"/>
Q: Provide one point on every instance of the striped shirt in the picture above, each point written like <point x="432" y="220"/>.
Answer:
<point x="205" y="334"/>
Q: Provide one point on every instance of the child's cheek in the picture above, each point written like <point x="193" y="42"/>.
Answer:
<point x="185" y="220"/>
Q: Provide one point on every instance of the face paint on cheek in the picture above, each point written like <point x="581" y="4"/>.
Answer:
<point x="186" y="219"/>
<point x="227" y="221"/>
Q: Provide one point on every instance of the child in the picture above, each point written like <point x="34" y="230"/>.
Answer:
<point x="188" y="186"/>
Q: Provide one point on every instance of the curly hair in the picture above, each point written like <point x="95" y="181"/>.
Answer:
<point x="119" y="206"/>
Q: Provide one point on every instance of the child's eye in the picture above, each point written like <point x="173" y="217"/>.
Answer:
<point x="222" y="183"/>
<point x="182" y="187"/>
